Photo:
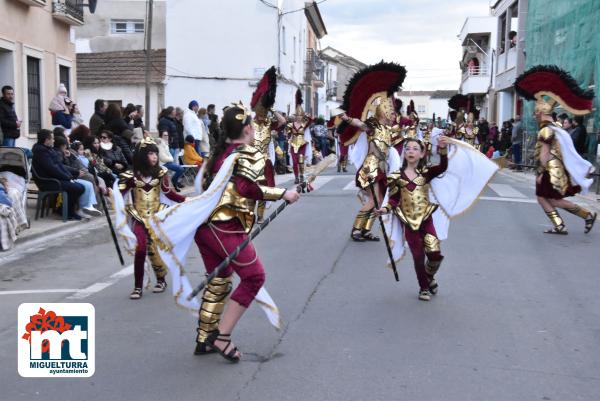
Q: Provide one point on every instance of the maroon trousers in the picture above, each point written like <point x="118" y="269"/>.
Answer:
<point x="296" y="157"/>
<point x="417" y="248"/>
<point x="217" y="240"/>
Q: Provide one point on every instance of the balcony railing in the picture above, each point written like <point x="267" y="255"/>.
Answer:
<point x="313" y="68"/>
<point x="69" y="11"/>
<point x="481" y="71"/>
<point x="38" y="3"/>
<point x="331" y="92"/>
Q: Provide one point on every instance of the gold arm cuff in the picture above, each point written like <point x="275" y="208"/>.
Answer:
<point x="443" y="151"/>
<point x="272" y="193"/>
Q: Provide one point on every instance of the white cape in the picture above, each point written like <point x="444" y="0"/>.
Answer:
<point x="308" y="152"/>
<point x="577" y="167"/>
<point x="357" y="153"/>
<point x="175" y="228"/>
<point x="455" y="191"/>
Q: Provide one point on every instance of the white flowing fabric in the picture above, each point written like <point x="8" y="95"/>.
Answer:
<point x="175" y="227"/>
<point x="121" y="220"/>
<point x="393" y="161"/>
<point x="358" y="151"/>
<point x="433" y="139"/>
<point x="198" y="179"/>
<point x="577" y="167"/>
<point x="308" y="153"/>
<point x="454" y="191"/>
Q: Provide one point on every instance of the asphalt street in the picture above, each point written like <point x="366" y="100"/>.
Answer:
<point x="517" y="316"/>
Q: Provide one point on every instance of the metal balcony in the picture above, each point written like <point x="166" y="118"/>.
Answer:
<point x="68" y="11"/>
<point x="37" y="3"/>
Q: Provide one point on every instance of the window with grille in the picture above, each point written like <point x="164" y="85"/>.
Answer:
<point x="33" y="95"/>
<point x="126" y="26"/>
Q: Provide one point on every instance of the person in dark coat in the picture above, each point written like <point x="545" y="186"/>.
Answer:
<point x="47" y="164"/>
<point x="166" y="123"/>
<point x="97" y="119"/>
<point x="111" y="154"/>
<point x="120" y="130"/>
<point x="10" y="126"/>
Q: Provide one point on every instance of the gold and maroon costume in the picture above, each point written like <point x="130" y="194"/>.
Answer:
<point x="297" y="146"/>
<point x="409" y="200"/>
<point x="227" y="227"/>
<point x="146" y="202"/>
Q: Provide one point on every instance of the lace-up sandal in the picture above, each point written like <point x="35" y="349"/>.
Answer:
<point x="231" y="356"/>
<point x="160" y="286"/>
<point x="356" y="235"/>
<point x="368" y="236"/>
<point x="203" y="349"/>
<point x="589" y="222"/>
<point x="136" y="293"/>
<point x="560" y="230"/>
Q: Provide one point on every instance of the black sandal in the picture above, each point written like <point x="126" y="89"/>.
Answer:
<point x="589" y="222"/>
<point x="226" y="338"/>
<point x="368" y="236"/>
<point x="557" y="230"/>
<point x="136" y="293"/>
<point x="203" y="349"/>
<point x="433" y="286"/>
<point x="356" y="235"/>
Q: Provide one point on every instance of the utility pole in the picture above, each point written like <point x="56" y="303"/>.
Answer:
<point x="150" y="5"/>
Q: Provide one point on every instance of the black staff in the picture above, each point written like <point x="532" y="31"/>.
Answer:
<point x="110" y="225"/>
<point x="385" y="237"/>
<point x="300" y="188"/>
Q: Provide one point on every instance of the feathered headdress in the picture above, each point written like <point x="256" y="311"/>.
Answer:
<point x="458" y="102"/>
<point x="548" y="85"/>
<point x="367" y="87"/>
<point x="266" y="90"/>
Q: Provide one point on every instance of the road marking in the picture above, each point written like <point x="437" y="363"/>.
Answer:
<point x="506" y="191"/>
<point x="322" y="180"/>
<point x="499" y="199"/>
<point x="351" y="186"/>
<point x="97" y="287"/>
<point x="48" y="291"/>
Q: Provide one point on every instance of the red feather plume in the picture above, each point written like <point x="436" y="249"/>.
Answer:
<point x="265" y="90"/>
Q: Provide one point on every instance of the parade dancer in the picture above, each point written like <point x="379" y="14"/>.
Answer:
<point x="368" y="125"/>
<point x="262" y="101"/>
<point x="149" y="185"/>
<point x="422" y="199"/>
<point x="561" y="171"/>
<point x="341" y="150"/>
<point x="408" y="191"/>
<point x="298" y="133"/>
<point x="458" y="103"/>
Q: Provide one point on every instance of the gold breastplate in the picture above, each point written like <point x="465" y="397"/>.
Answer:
<point x="554" y="167"/>
<point x="411" y="132"/>
<point x="262" y="137"/>
<point x="145" y="203"/>
<point x="414" y="206"/>
<point x="232" y="205"/>
<point x="382" y="139"/>
<point x="296" y="136"/>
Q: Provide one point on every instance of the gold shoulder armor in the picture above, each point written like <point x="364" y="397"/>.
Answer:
<point x="123" y="178"/>
<point x="162" y="172"/>
<point x="250" y="163"/>
<point x="393" y="181"/>
<point x="546" y="134"/>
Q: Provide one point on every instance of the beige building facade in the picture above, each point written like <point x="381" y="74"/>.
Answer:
<point x="37" y="53"/>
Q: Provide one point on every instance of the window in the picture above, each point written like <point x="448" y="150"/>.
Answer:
<point x="502" y="37"/>
<point x="64" y="77"/>
<point x="33" y="95"/>
<point x="126" y="26"/>
<point x="294" y="49"/>
<point x="421" y="109"/>
<point x="283" y="46"/>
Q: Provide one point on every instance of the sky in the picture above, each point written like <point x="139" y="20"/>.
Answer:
<point x="418" y="34"/>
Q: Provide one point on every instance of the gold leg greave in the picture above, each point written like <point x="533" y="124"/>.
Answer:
<point x="556" y="220"/>
<point x="579" y="211"/>
<point x="213" y="302"/>
<point x="360" y="220"/>
<point x="371" y="217"/>
<point x="158" y="265"/>
<point x="432" y="267"/>
<point x="260" y="209"/>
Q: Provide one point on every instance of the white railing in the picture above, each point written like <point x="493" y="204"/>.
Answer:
<point x="476" y="72"/>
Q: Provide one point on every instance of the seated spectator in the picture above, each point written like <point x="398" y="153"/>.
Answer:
<point x="8" y="222"/>
<point x="15" y="188"/>
<point x="111" y="153"/>
<point x="91" y="151"/>
<point x="78" y="159"/>
<point x="47" y="164"/>
<point x="88" y="199"/>
<point x="166" y="159"/>
<point x="190" y="156"/>
<point x="79" y="133"/>
<point x="120" y="130"/>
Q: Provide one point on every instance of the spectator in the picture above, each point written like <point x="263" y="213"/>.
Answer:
<point x="203" y="116"/>
<point x="47" y="164"/>
<point x="512" y="37"/>
<point x="60" y="109"/>
<point x="130" y="114"/>
<point x="91" y="146"/>
<point x="9" y="123"/>
<point x="80" y="133"/>
<point x="138" y="121"/>
<point x="517" y="141"/>
<point x="166" y="123"/>
<point x="74" y="156"/>
<point x="567" y="125"/>
<point x="483" y="131"/>
<point x="190" y="156"/>
<point x="166" y="159"/>
<point x="77" y="119"/>
<point x="180" y="136"/>
<point x="194" y="126"/>
<point x="579" y="135"/>
<point x="493" y="135"/>
<point x="320" y="132"/>
<point x="120" y="131"/>
<point x="88" y="199"/>
<point x="97" y="119"/>
<point x="111" y="154"/>
<point x="561" y="119"/>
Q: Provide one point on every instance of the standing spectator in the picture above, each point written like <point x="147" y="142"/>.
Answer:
<point x="46" y="163"/>
<point x="579" y="135"/>
<point x="120" y="130"/>
<point x="97" y="119"/>
<point x="166" y="123"/>
<point x="567" y="125"/>
<point x="493" y="135"/>
<point x="192" y="125"/>
<point x="180" y="136"/>
<point x="138" y="122"/>
<point x="77" y="120"/>
<point x="203" y="116"/>
<point x="9" y="123"/>
<point x="483" y="131"/>
<point x="517" y="141"/>
<point x="320" y="132"/>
